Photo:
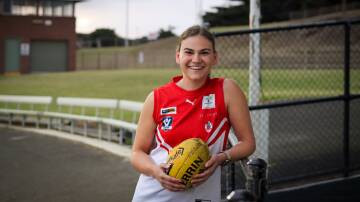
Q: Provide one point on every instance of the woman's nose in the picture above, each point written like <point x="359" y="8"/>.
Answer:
<point x="196" y="57"/>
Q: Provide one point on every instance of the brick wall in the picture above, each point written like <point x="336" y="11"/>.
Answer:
<point x="28" y="28"/>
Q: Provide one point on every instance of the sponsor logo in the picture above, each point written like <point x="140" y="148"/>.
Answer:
<point x="195" y="165"/>
<point x="179" y="152"/>
<point x="208" y="102"/>
<point x="168" y="110"/>
<point x="167" y="123"/>
<point x="208" y="126"/>
<point x="190" y="102"/>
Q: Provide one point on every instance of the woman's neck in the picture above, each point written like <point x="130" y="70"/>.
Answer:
<point x="190" y="85"/>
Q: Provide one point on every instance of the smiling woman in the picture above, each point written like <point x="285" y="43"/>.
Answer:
<point x="192" y="105"/>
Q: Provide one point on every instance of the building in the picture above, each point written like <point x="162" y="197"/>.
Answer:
<point x="37" y="36"/>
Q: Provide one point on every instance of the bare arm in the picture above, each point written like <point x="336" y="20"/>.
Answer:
<point x="143" y="139"/>
<point x="239" y="116"/>
<point x="140" y="158"/>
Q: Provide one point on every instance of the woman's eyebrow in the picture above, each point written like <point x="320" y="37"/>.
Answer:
<point x="188" y="49"/>
<point x="205" y="49"/>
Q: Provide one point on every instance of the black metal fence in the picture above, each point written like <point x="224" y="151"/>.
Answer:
<point x="308" y="121"/>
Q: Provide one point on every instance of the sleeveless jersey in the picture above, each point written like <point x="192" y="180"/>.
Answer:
<point x="180" y="114"/>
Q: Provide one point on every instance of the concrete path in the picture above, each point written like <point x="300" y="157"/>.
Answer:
<point x="46" y="168"/>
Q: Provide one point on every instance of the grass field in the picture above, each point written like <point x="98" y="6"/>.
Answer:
<point x="136" y="84"/>
<point x="122" y="84"/>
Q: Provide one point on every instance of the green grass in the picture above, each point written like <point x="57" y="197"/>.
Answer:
<point x="287" y="84"/>
<point x="292" y="84"/>
<point x="136" y="84"/>
<point x="120" y="84"/>
<point x="125" y="84"/>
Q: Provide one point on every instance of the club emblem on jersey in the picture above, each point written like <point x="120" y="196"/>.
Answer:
<point x="168" y="110"/>
<point x="208" y="126"/>
<point x="208" y="102"/>
<point x="167" y="123"/>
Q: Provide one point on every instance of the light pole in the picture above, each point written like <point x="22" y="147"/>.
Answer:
<point x="127" y="23"/>
<point x="199" y="11"/>
<point x="255" y="59"/>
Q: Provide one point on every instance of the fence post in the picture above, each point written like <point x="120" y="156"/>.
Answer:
<point x="257" y="180"/>
<point x="256" y="183"/>
<point x="346" y="139"/>
<point x="260" y="120"/>
<point x="98" y="59"/>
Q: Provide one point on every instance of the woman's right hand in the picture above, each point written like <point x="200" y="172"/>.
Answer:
<point x="168" y="182"/>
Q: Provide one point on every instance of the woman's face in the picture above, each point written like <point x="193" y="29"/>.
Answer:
<point x="196" y="57"/>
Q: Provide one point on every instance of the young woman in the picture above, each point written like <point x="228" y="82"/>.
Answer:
<point x="191" y="105"/>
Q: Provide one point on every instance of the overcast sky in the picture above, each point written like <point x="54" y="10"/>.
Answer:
<point x="145" y="16"/>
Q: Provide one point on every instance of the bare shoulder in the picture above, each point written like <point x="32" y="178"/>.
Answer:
<point x="230" y="84"/>
<point x="148" y="106"/>
<point x="150" y="97"/>
<point x="232" y="91"/>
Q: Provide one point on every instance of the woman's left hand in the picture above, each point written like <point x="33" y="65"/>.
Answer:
<point x="210" y="167"/>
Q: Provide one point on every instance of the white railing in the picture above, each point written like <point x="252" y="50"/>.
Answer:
<point x="72" y="116"/>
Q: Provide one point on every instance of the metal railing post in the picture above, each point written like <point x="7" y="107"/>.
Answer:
<point x="346" y="138"/>
<point x="256" y="182"/>
<point x="255" y="190"/>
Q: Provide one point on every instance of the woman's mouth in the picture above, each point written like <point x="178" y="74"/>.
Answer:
<point x="196" y="67"/>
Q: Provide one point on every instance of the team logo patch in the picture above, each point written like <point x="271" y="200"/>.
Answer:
<point x="208" y="102"/>
<point x="167" y="123"/>
<point x="168" y="110"/>
<point x="208" y="126"/>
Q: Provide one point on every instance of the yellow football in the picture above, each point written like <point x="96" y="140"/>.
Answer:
<point x="188" y="158"/>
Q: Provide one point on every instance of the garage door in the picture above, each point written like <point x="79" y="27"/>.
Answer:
<point x="12" y="55"/>
<point x="48" y="56"/>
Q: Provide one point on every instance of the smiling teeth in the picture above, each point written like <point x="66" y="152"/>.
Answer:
<point x="195" y="67"/>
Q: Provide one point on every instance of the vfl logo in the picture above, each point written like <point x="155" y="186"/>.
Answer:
<point x="168" y="110"/>
<point x="208" y="102"/>
<point x="167" y="123"/>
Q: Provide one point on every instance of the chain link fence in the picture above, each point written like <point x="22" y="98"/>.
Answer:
<point x="157" y="54"/>
<point x="307" y="122"/>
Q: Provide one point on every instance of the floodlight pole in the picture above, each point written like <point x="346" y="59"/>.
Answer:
<point x="199" y="8"/>
<point x="255" y="57"/>
<point x="127" y="23"/>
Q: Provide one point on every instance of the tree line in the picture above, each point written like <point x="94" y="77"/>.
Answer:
<point x="104" y="37"/>
<point x="271" y="11"/>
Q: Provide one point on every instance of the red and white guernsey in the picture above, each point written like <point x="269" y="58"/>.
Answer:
<point x="179" y="115"/>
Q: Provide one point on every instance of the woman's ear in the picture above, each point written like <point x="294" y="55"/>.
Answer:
<point x="216" y="58"/>
<point x="177" y="57"/>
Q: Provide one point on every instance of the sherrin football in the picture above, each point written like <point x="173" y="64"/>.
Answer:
<point x="187" y="159"/>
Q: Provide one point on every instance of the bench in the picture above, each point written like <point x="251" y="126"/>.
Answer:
<point x="24" y="106"/>
<point x="88" y="113"/>
<point x="126" y="106"/>
<point x="130" y="106"/>
<point x="85" y="111"/>
<point x="74" y="109"/>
